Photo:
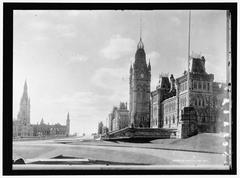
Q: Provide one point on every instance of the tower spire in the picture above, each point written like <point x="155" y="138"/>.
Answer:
<point x="140" y="43"/>
<point x="25" y="86"/>
<point x="149" y="64"/>
<point x="68" y="116"/>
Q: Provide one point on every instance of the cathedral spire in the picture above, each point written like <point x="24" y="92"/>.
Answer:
<point x="131" y="68"/>
<point x="68" y="116"/>
<point x="25" y="87"/>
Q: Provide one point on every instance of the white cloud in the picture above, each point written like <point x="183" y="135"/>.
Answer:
<point x="39" y="25"/>
<point x="85" y="108"/>
<point x="175" y="20"/>
<point x="153" y="55"/>
<point x="65" y="30"/>
<point x="215" y="64"/>
<point x="78" y="58"/>
<point x="118" y="47"/>
<point x="111" y="78"/>
<point x="73" y="13"/>
<point x="40" y="37"/>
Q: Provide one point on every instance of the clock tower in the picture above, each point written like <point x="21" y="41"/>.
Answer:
<point x="140" y="79"/>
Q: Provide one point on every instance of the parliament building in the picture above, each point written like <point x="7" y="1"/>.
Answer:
<point x="23" y="128"/>
<point x="182" y="106"/>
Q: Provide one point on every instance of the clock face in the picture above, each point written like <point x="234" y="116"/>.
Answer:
<point x="142" y="75"/>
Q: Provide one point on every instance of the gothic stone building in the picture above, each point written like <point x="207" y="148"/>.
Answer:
<point x="23" y="128"/>
<point x="44" y="129"/>
<point x="189" y="104"/>
<point x="139" y="91"/>
<point x="118" y="118"/>
<point x="196" y="90"/>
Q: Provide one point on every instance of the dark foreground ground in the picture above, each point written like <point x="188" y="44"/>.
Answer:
<point x="201" y="150"/>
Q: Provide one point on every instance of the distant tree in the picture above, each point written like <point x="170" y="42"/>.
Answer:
<point x="100" y="128"/>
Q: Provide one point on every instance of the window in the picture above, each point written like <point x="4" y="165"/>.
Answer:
<point x="204" y="85"/>
<point x="194" y="84"/>
<point x="166" y="120"/>
<point x="199" y="102"/>
<point x="208" y="86"/>
<point x="173" y="119"/>
<point x="202" y="102"/>
<point x="200" y="85"/>
<point x="203" y="119"/>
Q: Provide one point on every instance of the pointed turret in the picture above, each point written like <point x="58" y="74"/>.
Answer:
<point x="68" y="116"/>
<point x="25" y="85"/>
<point x="149" y="65"/>
<point x="42" y="122"/>
<point x="131" y="69"/>
<point x="140" y="44"/>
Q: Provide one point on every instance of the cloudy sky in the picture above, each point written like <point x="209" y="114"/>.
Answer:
<point x="78" y="61"/>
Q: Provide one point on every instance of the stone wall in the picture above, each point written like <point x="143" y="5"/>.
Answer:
<point x="188" y="124"/>
<point x="140" y="133"/>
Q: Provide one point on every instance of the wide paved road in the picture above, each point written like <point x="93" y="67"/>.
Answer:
<point x="43" y="149"/>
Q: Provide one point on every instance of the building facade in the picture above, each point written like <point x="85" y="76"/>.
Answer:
<point x="139" y="89"/>
<point x="44" y="129"/>
<point x="23" y="128"/>
<point x="189" y="104"/>
<point x="194" y="89"/>
<point x="119" y="118"/>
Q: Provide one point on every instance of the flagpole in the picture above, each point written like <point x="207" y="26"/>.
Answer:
<point x="188" y="70"/>
<point x="189" y="41"/>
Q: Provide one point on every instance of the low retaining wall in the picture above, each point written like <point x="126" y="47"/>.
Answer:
<point x="39" y="138"/>
<point x="140" y="134"/>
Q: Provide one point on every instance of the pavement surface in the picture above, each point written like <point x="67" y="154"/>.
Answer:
<point x="125" y="153"/>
